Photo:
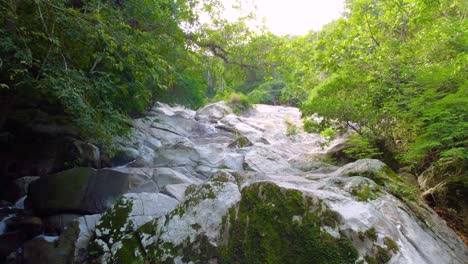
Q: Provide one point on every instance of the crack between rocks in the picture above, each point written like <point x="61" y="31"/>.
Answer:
<point x="140" y="244"/>
<point x="169" y="131"/>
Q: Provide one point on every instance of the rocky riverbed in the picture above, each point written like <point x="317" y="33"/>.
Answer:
<point x="209" y="186"/>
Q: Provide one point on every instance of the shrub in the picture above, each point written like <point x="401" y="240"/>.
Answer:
<point x="361" y="148"/>
<point x="239" y="102"/>
<point x="292" y="129"/>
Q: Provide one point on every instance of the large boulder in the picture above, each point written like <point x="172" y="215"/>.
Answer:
<point x="69" y="247"/>
<point x="343" y="218"/>
<point x="266" y="160"/>
<point x="213" y="112"/>
<point x="18" y="188"/>
<point x="82" y="190"/>
<point x="193" y="226"/>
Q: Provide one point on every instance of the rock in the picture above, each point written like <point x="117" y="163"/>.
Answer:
<point x="136" y="209"/>
<point x="9" y="242"/>
<point x="177" y="155"/>
<point x="177" y="191"/>
<point x="361" y="167"/>
<point x="240" y="142"/>
<point x="139" y="179"/>
<point x="87" y="154"/>
<point x="47" y="250"/>
<point x="23" y="184"/>
<point x="29" y="226"/>
<point x="56" y="224"/>
<point x="125" y="156"/>
<point x="18" y="188"/>
<point x="4" y="203"/>
<point x="213" y="112"/>
<point x="9" y="211"/>
<point x="128" y="214"/>
<point x="167" y="176"/>
<point x="306" y="163"/>
<point x="265" y="160"/>
<point x="69" y="247"/>
<point x="197" y="220"/>
<point x="283" y="206"/>
<point x="80" y="191"/>
<point x="84" y="227"/>
<point x="336" y="152"/>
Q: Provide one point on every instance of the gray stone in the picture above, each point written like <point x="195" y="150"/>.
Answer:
<point x="176" y="191"/>
<point x="167" y="176"/>
<point x="81" y="191"/>
<point x="213" y="112"/>
<point x="352" y="204"/>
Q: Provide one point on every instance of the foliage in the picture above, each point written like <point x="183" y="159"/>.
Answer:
<point x="361" y="148"/>
<point x="395" y="73"/>
<point x="239" y="102"/>
<point x="292" y="128"/>
<point x="267" y="93"/>
<point x="328" y="133"/>
<point x="98" y="61"/>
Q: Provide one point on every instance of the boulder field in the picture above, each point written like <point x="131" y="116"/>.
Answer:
<point x="209" y="186"/>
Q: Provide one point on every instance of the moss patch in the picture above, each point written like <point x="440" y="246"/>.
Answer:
<point x="371" y="233"/>
<point x="112" y="228"/>
<point x="383" y="255"/>
<point x="364" y="192"/>
<point x="263" y="230"/>
<point x="393" y="183"/>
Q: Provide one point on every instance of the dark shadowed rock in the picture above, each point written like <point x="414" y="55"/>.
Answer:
<point x="79" y="190"/>
<point x="18" y="188"/>
<point x="9" y="242"/>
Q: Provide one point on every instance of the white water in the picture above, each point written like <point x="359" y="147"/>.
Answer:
<point x="49" y="239"/>
<point x="3" y="223"/>
<point x="125" y="165"/>
<point x="20" y="203"/>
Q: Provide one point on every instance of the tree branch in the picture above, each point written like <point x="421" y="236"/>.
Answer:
<point x="219" y="52"/>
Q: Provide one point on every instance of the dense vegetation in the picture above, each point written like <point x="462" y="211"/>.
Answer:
<point x="393" y="72"/>
<point x="99" y="62"/>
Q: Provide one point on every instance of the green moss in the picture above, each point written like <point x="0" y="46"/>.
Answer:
<point x="371" y="233"/>
<point x="381" y="254"/>
<point x="149" y="228"/>
<point x="392" y="182"/>
<point x="240" y="141"/>
<point x="195" y="195"/>
<point x="129" y="252"/>
<point x="190" y="189"/>
<point x="391" y="245"/>
<point x="113" y="227"/>
<point x="329" y="218"/>
<point x="196" y="226"/>
<point x="66" y="183"/>
<point x="263" y="230"/>
<point x="114" y="223"/>
<point x="292" y="130"/>
<point x="220" y="177"/>
<point x="364" y="192"/>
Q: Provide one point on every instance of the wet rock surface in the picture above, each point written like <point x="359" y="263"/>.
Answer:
<point x="213" y="187"/>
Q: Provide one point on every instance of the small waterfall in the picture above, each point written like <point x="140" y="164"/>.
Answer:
<point x="20" y="202"/>
<point x="3" y="223"/>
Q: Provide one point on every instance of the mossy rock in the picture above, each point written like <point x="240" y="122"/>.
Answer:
<point x="276" y="225"/>
<point x="240" y="141"/>
<point x="384" y="177"/>
<point x="365" y="192"/>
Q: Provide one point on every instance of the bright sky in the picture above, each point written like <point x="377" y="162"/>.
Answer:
<point x="297" y="17"/>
